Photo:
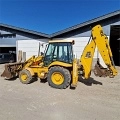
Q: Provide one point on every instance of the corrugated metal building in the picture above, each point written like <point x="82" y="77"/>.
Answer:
<point x="80" y="33"/>
<point x="10" y="36"/>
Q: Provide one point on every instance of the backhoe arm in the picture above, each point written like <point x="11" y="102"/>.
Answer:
<point x="86" y="59"/>
<point x="99" y="40"/>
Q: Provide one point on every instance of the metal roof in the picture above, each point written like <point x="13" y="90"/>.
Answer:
<point x="86" y="23"/>
<point x="24" y="30"/>
<point x="65" y="30"/>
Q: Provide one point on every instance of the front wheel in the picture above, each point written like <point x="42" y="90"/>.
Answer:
<point x="59" y="77"/>
<point x="25" y="76"/>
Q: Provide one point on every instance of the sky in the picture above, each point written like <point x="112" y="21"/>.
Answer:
<point x="50" y="16"/>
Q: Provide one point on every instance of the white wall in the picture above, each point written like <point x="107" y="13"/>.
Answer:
<point x="31" y="47"/>
<point x="101" y="60"/>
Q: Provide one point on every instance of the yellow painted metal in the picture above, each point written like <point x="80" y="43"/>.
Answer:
<point x="35" y="66"/>
<point x="102" y="44"/>
<point x="57" y="78"/>
<point x="99" y="40"/>
<point x="29" y="61"/>
<point x="59" y="41"/>
<point x="33" y="60"/>
<point x="24" y="77"/>
<point x="58" y="63"/>
<point x="87" y="58"/>
<point x="38" y="58"/>
<point x="74" y="73"/>
<point x="40" y="71"/>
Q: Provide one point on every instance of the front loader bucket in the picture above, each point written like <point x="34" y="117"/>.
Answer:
<point x="12" y="70"/>
<point x="7" y="73"/>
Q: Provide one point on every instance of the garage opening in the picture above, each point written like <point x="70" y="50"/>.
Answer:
<point x="115" y="43"/>
<point x="9" y="50"/>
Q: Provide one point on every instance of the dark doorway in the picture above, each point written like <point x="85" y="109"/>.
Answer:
<point x="9" y="50"/>
<point x="115" y="43"/>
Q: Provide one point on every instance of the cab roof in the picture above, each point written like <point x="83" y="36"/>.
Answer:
<point x="62" y="41"/>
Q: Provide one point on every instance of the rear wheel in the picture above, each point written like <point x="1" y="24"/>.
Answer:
<point x="25" y="77"/>
<point x="59" y="77"/>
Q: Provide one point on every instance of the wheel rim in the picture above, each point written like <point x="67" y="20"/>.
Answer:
<point x="57" y="78"/>
<point x="24" y="77"/>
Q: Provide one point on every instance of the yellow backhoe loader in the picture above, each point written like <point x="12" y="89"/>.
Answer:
<point x="59" y="66"/>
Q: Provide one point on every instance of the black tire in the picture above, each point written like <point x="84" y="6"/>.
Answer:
<point x="65" y="74"/>
<point x="28" y="78"/>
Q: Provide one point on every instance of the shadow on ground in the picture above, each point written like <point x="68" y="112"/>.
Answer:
<point x="43" y="80"/>
<point x="11" y="79"/>
<point x="34" y="79"/>
<point x="89" y="81"/>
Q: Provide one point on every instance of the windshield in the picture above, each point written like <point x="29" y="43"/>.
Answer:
<point x="59" y="52"/>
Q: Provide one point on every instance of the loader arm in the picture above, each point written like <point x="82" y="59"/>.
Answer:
<point x="99" y="40"/>
<point x="12" y="69"/>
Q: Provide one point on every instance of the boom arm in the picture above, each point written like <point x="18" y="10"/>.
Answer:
<point x="99" y="40"/>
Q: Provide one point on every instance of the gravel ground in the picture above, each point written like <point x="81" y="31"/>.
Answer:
<point x="99" y="100"/>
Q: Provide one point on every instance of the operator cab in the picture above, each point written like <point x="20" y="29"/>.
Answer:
<point x="59" y="50"/>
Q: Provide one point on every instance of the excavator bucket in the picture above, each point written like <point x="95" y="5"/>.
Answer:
<point x="100" y="71"/>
